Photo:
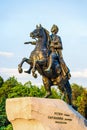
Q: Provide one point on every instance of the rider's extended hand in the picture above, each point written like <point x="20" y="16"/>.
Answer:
<point x="27" y="42"/>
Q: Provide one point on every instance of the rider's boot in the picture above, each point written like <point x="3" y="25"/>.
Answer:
<point x="48" y="69"/>
<point x="58" y="70"/>
<point x="49" y="64"/>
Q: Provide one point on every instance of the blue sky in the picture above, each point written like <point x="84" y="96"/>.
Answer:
<point x="19" y="17"/>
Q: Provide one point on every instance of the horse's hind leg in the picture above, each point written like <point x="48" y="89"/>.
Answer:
<point x="65" y="88"/>
<point x="68" y="93"/>
<point x="47" y="85"/>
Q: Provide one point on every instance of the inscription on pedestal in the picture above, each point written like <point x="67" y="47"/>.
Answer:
<point x="59" y="117"/>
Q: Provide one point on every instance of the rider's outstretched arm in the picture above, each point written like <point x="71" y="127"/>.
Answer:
<point x="33" y="43"/>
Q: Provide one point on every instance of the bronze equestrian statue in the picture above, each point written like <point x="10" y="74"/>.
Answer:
<point x="47" y="59"/>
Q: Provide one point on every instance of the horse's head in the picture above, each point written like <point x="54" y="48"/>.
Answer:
<point x="39" y="32"/>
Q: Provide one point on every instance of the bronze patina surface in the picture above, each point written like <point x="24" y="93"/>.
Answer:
<point x="47" y="59"/>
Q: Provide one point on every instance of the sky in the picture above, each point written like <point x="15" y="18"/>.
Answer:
<point x="19" y="17"/>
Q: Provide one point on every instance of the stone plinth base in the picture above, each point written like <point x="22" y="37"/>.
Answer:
<point x="31" y="113"/>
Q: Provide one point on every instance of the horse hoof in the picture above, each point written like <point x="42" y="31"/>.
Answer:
<point x="27" y="71"/>
<point x="75" y="107"/>
<point x="47" y="95"/>
<point x="20" y="70"/>
<point x="35" y="75"/>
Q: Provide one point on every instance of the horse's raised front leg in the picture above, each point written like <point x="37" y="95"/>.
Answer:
<point x="20" y="65"/>
<point x="29" y="70"/>
<point x="34" y="67"/>
<point x="33" y="73"/>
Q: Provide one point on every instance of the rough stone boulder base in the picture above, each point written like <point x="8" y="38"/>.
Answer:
<point x="31" y="113"/>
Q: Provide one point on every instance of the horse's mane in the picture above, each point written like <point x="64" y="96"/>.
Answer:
<point x="47" y="32"/>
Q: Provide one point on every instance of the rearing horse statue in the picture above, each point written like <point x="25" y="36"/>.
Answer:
<point x="38" y="61"/>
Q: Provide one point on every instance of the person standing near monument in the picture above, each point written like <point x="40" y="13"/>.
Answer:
<point x="56" y="50"/>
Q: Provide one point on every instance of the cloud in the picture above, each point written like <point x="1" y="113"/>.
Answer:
<point x="9" y="72"/>
<point x="79" y="74"/>
<point x="6" y="54"/>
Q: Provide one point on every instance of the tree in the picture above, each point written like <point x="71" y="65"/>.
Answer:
<point x="3" y="117"/>
<point x="7" y="86"/>
<point x="4" y="92"/>
<point x="82" y="103"/>
<point x="76" y="92"/>
<point x="1" y="81"/>
<point x="11" y="88"/>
